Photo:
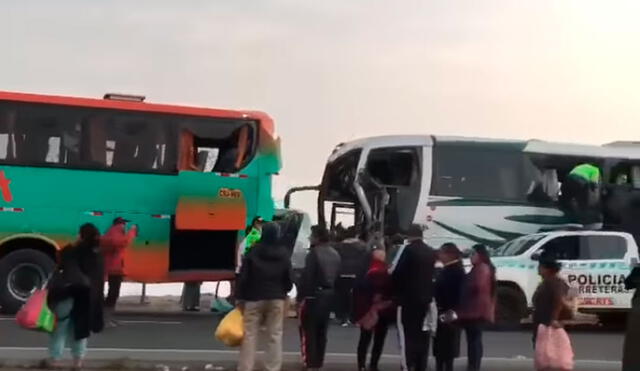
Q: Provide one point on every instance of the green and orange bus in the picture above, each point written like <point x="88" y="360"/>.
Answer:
<point x="190" y="178"/>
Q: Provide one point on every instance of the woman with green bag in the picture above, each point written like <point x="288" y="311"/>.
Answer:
<point x="75" y="296"/>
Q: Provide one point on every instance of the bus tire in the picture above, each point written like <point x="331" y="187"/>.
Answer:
<point x="21" y="272"/>
<point x="510" y="307"/>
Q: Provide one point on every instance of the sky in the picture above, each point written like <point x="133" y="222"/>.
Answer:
<point x="334" y="70"/>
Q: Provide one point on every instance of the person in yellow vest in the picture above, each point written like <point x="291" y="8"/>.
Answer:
<point x="581" y="195"/>
<point x="253" y="235"/>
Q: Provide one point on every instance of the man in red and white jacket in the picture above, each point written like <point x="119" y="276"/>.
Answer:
<point x="113" y="244"/>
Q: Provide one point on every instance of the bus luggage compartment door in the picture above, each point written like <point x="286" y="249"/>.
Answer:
<point x="212" y="202"/>
<point x="210" y="211"/>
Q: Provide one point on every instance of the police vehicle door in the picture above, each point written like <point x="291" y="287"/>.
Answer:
<point x="594" y="266"/>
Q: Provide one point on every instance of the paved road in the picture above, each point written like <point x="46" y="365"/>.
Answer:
<point x="190" y="337"/>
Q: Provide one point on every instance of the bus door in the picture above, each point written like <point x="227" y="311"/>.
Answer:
<point x="398" y="171"/>
<point x="211" y="208"/>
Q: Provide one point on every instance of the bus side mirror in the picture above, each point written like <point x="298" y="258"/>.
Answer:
<point x="536" y="255"/>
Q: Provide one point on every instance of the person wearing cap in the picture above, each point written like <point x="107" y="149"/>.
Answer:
<point x="413" y="288"/>
<point x="113" y="244"/>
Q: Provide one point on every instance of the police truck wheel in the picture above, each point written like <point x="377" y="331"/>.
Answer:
<point x="21" y="273"/>
<point x="510" y="307"/>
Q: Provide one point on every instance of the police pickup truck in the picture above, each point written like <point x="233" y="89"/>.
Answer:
<point x="594" y="264"/>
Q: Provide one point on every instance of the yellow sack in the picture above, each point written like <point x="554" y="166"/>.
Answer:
<point x="230" y="331"/>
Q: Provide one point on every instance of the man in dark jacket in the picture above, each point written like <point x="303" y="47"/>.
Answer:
<point x="315" y="294"/>
<point x="413" y="288"/>
<point x="354" y="262"/>
<point x="264" y="281"/>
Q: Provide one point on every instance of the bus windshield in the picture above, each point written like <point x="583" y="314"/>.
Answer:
<point x="517" y="246"/>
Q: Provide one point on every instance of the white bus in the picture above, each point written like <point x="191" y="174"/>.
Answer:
<point x="471" y="190"/>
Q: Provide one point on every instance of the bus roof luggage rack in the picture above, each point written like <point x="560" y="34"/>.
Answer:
<point x="124" y="97"/>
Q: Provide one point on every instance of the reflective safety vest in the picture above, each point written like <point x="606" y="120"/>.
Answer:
<point x="588" y="172"/>
<point x="252" y="238"/>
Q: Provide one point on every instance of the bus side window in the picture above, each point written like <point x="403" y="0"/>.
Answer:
<point x="546" y="188"/>
<point x="635" y="176"/>
<point x="393" y="166"/>
<point x="46" y="135"/>
<point x="138" y="143"/>
<point x="7" y="129"/>
<point x="621" y="174"/>
<point x="223" y="146"/>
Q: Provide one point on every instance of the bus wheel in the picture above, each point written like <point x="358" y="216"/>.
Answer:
<point x="21" y="273"/>
<point x="510" y="307"/>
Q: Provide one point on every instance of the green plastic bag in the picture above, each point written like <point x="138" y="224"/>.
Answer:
<point x="35" y="313"/>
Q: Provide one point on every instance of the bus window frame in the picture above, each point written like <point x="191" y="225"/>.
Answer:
<point x="435" y="186"/>
<point x="173" y="123"/>
<point x="416" y="168"/>
<point x="187" y="147"/>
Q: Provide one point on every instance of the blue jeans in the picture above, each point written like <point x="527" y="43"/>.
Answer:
<point x="64" y="333"/>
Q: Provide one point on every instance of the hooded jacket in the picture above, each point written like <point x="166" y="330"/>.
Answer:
<point x="322" y="266"/>
<point x="266" y="272"/>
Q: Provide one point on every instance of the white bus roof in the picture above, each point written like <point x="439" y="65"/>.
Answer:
<point x="622" y="149"/>
<point x="582" y="150"/>
<point x="381" y="141"/>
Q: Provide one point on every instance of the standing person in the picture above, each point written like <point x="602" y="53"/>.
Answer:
<point x="477" y="305"/>
<point x="631" y="356"/>
<point x="315" y="294"/>
<point x="252" y="234"/>
<point x="448" y="290"/>
<point x="263" y="284"/>
<point x="580" y="195"/>
<point x="374" y="310"/>
<point x="550" y="308"/>
<point x="191" y="296"/>
<point x="412" y="280"/>
<point x="76" y="297"/>
<point x="113" y="245"/>
<point x="353" y="265"/>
